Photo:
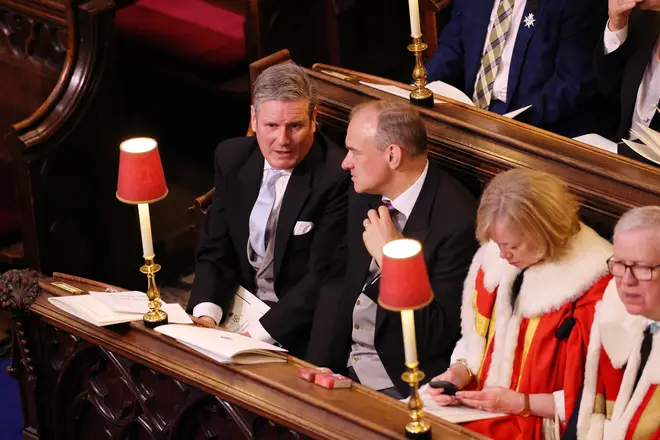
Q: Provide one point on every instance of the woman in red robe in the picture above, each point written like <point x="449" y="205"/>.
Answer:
<point x="528" y="306"/>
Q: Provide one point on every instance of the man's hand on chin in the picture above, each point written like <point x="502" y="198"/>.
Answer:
<point x="378" y="231"/>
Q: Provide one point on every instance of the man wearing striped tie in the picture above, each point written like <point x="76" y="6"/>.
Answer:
<point x="621" y="397"/>
<point x="508" y="54"/>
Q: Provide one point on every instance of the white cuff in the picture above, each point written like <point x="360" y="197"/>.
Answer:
<point x="613" y="40"/>
<point x="209" y="309"/>
<point x="560" y="406"/>
<point x="257" y="331"/>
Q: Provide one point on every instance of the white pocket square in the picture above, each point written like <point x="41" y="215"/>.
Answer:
<point x="302" y="228"/>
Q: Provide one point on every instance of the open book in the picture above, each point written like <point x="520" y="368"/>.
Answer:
<point x="222" y="346"/>
<point x="650" y="146"/>
<point x="439" y="88"/>
<point x="452" y="413"/>
<point x="108" y="308"/>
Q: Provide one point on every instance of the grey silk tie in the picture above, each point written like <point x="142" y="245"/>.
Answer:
<point x="261" y="212"/>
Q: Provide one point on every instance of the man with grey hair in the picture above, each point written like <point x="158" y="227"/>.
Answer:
<point x="278" y="212"/>
<point x="622" y="373"/>
<point x="397" y="193"/>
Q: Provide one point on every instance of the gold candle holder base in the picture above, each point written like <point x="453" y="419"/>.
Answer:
<point x="155" y="316"/>
<point x="417" y="428"/>
<point x="420" y="96"/>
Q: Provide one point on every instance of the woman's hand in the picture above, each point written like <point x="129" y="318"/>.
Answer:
<point x="496" y="399"/>
<point x="456" y="374"/>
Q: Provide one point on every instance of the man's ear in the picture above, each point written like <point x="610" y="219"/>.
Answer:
<point x="253" y="118"/>
<point x="313" y="119"/>
<point x="394" y="156"/>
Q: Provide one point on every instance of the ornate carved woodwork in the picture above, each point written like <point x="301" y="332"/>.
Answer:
<point x="79" y="381"/>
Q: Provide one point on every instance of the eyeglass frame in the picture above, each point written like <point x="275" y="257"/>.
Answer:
<point x="631" y="266"/>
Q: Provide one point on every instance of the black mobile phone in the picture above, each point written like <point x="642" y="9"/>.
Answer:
<point x="448" y="387"/>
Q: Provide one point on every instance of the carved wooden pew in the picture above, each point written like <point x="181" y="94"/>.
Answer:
<point x="79" y="381"/>
<point x="61" y="134"/>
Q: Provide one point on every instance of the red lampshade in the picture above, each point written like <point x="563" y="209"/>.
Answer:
<point x="141" y="178"/>
<point x="404" y="282"/>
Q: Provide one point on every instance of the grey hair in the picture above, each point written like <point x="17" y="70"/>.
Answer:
<point x="398" y="123"/>
<point x="284" y="82"/>
<point x="644" y="217"/>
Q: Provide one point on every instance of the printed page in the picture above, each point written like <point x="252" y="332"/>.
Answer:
<point x="452" y="413"/>
<point x="130" y="302"/>
<point x="598" y="141"/>
<point x="394" y="90"/>
<point x="443" y="89"/>
<point x="224" y="344"/>
<point x="90" y="310"/>
<point x="245" y="309"/>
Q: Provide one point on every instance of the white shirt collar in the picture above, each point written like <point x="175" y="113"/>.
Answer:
<point x="406" y="200"/>
<point x="268" y="166"/>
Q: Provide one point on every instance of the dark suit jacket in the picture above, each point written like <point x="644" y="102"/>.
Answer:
<point x="443" y="221"/>
<point x="316" y="193"/>
<point x="551" y="67"/>
<point x="620" y="72"/>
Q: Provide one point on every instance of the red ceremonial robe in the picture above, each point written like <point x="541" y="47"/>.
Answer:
<point x="519" y="350"/>
<point x="612" y="407"/>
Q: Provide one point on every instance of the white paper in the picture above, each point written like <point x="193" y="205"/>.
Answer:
<point x="221" y="345"/>
<point x="107" y="308"/>
<point x="176" y="314"/>
<point x="443" y="89"/>
<point x="643" y="150"/>
<point x="453" y="413"/>
<point x="245" y="310"/>
<point x="393" y="90"/>
<point x="515" y="113"/>
<point x="90" y="310"/>
<point x="129" y="302"/>
<point x="598" y="141"/>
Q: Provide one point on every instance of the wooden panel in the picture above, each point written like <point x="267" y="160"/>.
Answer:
<point x="475" y="145"/>
<point x="81" y="381"/>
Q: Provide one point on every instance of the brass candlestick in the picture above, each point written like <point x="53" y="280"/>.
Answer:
<point x="420" y="95"/>
<point x="155" y="316"/>
<point x="418" y="428"/>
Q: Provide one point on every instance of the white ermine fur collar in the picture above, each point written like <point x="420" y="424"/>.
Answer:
<point x="620" y="334"/>
<point x="546" y="287"/>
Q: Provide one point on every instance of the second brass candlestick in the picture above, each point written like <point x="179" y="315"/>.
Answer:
<point x="417" y="428"/>
<point x="420" y="95"/>
<point x="155" y="316"/>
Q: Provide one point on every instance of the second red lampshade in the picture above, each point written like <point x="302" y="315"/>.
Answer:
<point x="404" y="282"/>
<point x="141" y="178"/>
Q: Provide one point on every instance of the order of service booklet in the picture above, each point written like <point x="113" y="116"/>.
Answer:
<point x="223" y="346"/>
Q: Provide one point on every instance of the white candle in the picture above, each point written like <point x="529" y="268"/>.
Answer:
<point x="415" y="29"/>
<point x="145" y="230"/>
<point x="409" y="342"/>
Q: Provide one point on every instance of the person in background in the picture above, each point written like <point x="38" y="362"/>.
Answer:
<point x="507" y="54"/>
<point x="628" y="66"/>
<point x="396" y="193"/>
<point x="622" y="374"/>
<point x="528" y="305"/>
<point x="278" y="212"/>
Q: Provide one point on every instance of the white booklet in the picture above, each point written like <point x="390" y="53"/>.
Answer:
<point x="439" y="88"/>
<point x="108" y="308"/>
<point x="223" y="346"/>
<point x="453" y="413"/>
<point x="443" y="89"/>
<point x="245" y="309"/>
<point x="650" y="148"/>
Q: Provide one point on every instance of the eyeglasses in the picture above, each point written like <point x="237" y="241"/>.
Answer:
<point x="640" y="272"/>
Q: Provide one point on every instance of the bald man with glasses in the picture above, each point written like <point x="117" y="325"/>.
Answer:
<point x="621" y="395"/>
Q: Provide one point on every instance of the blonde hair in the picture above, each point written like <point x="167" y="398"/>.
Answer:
<point x="533" y="203"/>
